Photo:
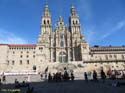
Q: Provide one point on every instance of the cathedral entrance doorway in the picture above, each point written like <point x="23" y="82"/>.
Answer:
<point x="34" y="67"/>
<point x="62" y="57"/>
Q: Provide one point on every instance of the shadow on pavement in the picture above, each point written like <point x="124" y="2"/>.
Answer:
<point x="76" y="86"/>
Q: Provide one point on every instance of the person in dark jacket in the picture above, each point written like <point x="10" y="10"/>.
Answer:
<point x="49" y="77"/>
<point x="4" y="78"/>
<point x="72" y="76"/>
<point x="0" y="81"/>
<point x="86" y="77"/>
<point x="95" y="76"/>
<point x="103" y="76"/>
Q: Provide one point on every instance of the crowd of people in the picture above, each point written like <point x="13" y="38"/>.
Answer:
<point x="111" y="74"/>
<point x="24" y="84"/>
<point x="95" y="76"/>
<point x="65" y="76"/>
<point x="58" y="76"/>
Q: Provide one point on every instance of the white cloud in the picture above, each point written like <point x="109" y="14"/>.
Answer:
<point x="90" y="34"/>
<point x="117" y="27"/>
<point x="106" y="35"/>
<point x="8" y="38"/>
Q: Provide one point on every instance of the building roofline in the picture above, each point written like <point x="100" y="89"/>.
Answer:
<point x="3" y="44"/>
<point x="11" y="45"/>
<point x="16" y="45"/>
<point x="107" y="46"/>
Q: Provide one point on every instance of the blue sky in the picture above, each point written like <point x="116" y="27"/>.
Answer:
<point x="102" y="21"/>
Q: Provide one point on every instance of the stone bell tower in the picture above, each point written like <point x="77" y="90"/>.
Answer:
<point x="80" y="48"/>
<point x="44" y="38"/>
<point x="45" y="27"/>
<point x="74" y="22"/>
<point x="74" y="28"/>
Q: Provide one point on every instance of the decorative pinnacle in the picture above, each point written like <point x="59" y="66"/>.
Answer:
<point x="72" y="6"/>
<point x="73" y="11"/>
<point x="60" y="19"/>
<point x="46" y="5"/>
<point x="46" y="10"/>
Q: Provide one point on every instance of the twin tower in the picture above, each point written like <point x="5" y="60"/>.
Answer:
<point x="64" y="44"/>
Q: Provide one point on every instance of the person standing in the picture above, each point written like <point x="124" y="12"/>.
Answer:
<point x="109" y="73"/>
<point x="103" y="76"/>
<point x="95" y="76"/>
<point x="0" y="81"/>
<point x="45" y="76"/>
<point x="49" y="77"/>
<point x="86" y="77"/>
<point x="72" y="76"/>
<point x="4" y="79"/>
<point x="41" y="75"/>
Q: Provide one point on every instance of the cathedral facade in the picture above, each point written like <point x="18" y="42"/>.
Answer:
<point x="63" y="45"/>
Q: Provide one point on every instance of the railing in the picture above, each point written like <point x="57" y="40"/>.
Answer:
<point x="22" y="72"/>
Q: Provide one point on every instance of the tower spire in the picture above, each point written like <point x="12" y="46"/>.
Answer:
<point x="46" y="26"/>
<point x="72" y="6"/>
<point x="73" y="11"/>
<point x="74" y="21"/>
<point x="46" y="3"/>
<point x="46" y="10"/>
<point x="60" y="19"/>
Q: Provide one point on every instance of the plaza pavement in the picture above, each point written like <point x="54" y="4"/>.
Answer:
<point x="77" y="86"/>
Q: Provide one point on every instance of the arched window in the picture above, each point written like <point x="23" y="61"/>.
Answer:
<point x="62" y="53"/>
<point x="48" y="21"/>
<point x="62" y="57"/>
<point x="73" y="22"/>
<point x="123" y="57"/>
<point x="20" y="62"/>
<point x="106" y="56"/>
<point x="28" y="62"/>
<point x="60" y="23"/>
<point x="115" y="56"/>
<point x="61" y="44"/>
<point x="13" y="62"/>
<point x="76" y="22"/>
<point x="8" y="62"/>
<point x="44" y="22"/>
<point x="110" y="56"/>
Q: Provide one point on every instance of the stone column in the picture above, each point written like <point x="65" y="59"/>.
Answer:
<point x="51" y="58"/>
<point x="69" y="55"/>
<point x="57" y="57"/>
<point x="73" y="54"/>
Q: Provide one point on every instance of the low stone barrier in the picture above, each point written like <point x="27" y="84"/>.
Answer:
<point x="7" y="73"/>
